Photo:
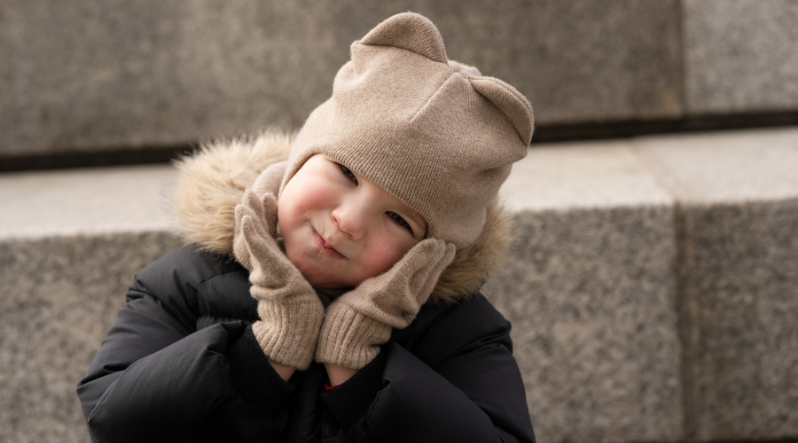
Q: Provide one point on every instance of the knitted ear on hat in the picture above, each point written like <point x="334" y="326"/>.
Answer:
<point x="511" y="102"/>
<point x="409" y="31"/>
<point x="468" y="71"/>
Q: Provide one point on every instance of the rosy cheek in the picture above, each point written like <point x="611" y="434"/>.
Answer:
<point x="283" y="218"/>
<point x="287" y="219"/>
<point x="383" y="255"/>
<point x="302" y="197"/>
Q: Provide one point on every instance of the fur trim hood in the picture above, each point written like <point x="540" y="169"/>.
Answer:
<point x="212" y="181"/>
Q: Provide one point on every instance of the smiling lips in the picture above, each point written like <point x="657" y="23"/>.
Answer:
<point x="325" y="247"/>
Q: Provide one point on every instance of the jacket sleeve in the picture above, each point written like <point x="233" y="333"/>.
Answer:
<point x="155" y="378"/>
<point x="474" y="394"/>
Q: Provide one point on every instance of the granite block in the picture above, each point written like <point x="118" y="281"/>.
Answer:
<point x="58" y="299"/>
<point x="94" y="75"/>
<point x="737" y="223"/>
<point x="724" y="167"/>
<point x="591" y="175"/>
<point x="576" y="61"/>
<point x="86" y="201"/>
<point x="740" y="56"/>
<point x="591" y="296"/>
<point x="740" y="297"/>
<point x="590" y="291"/>
<point x="70" y="243"/>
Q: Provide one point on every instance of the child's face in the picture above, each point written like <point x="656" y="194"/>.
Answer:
<point x="340" y="228"/>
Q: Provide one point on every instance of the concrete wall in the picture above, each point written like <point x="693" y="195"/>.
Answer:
<point x="652" y="286"/>
<point x="91" y="75"/>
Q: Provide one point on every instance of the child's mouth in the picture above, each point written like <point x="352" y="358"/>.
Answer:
<point x="325" y="247"/>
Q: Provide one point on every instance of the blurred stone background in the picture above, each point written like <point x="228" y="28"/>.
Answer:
<point x="653" y="282"/>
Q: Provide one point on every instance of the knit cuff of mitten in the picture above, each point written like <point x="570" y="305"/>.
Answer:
<point x="349" y="338"/>
<point x="289" y="329"/>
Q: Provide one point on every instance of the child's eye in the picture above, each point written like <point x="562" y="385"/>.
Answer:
<point x="400" y="221"/>
<point x="349" y="174"/>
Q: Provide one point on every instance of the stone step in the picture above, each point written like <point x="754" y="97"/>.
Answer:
<point x="95" y="75"/>
<point x="652" y="286"/>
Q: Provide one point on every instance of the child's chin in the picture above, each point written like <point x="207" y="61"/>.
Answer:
<point x="326" y="282"/>
<point x="320" y="277"/>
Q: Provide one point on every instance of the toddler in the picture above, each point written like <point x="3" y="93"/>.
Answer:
<point x="333" y="295"/>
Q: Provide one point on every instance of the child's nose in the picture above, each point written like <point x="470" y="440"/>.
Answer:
<point x="351" y="219"/>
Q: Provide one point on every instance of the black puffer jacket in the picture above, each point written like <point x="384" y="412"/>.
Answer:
<point x="181" y="364"/>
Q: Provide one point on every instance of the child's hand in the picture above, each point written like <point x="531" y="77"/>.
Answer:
<point x="263" y="212"/>
<point x="289" y="309"/>
<point x="358" y="322"/>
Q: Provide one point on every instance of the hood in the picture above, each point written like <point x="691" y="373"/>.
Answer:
<point x="212" y="181"/>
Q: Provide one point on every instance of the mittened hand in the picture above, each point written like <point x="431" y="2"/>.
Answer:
<point x="358" y="322"/>
<point x="262" y="212"/>
<point x="289" y="309"/>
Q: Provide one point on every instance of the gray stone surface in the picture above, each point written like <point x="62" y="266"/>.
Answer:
<point x="740" y="296"/>
<point x="70" y="242"/>
<point x="130" y="199"/>
<point x="91" y="75"/>
<point x="58" y="299"/>
<point x="96" y="75"/>
<point x="738" y="271"/>
<point x="589" y="289"/>
<point x="740" y="55"/>
<point x="591" y="298"/>
<point x="567" y="176"/>
<point x="577" y="61"/>
<point x="726" y="167"/>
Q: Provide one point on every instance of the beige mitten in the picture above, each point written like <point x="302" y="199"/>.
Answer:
<point x="358" y="322"/>
<point x="289" y="309"/>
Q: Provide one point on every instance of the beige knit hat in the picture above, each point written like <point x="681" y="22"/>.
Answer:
<point x="432" y="132"/>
